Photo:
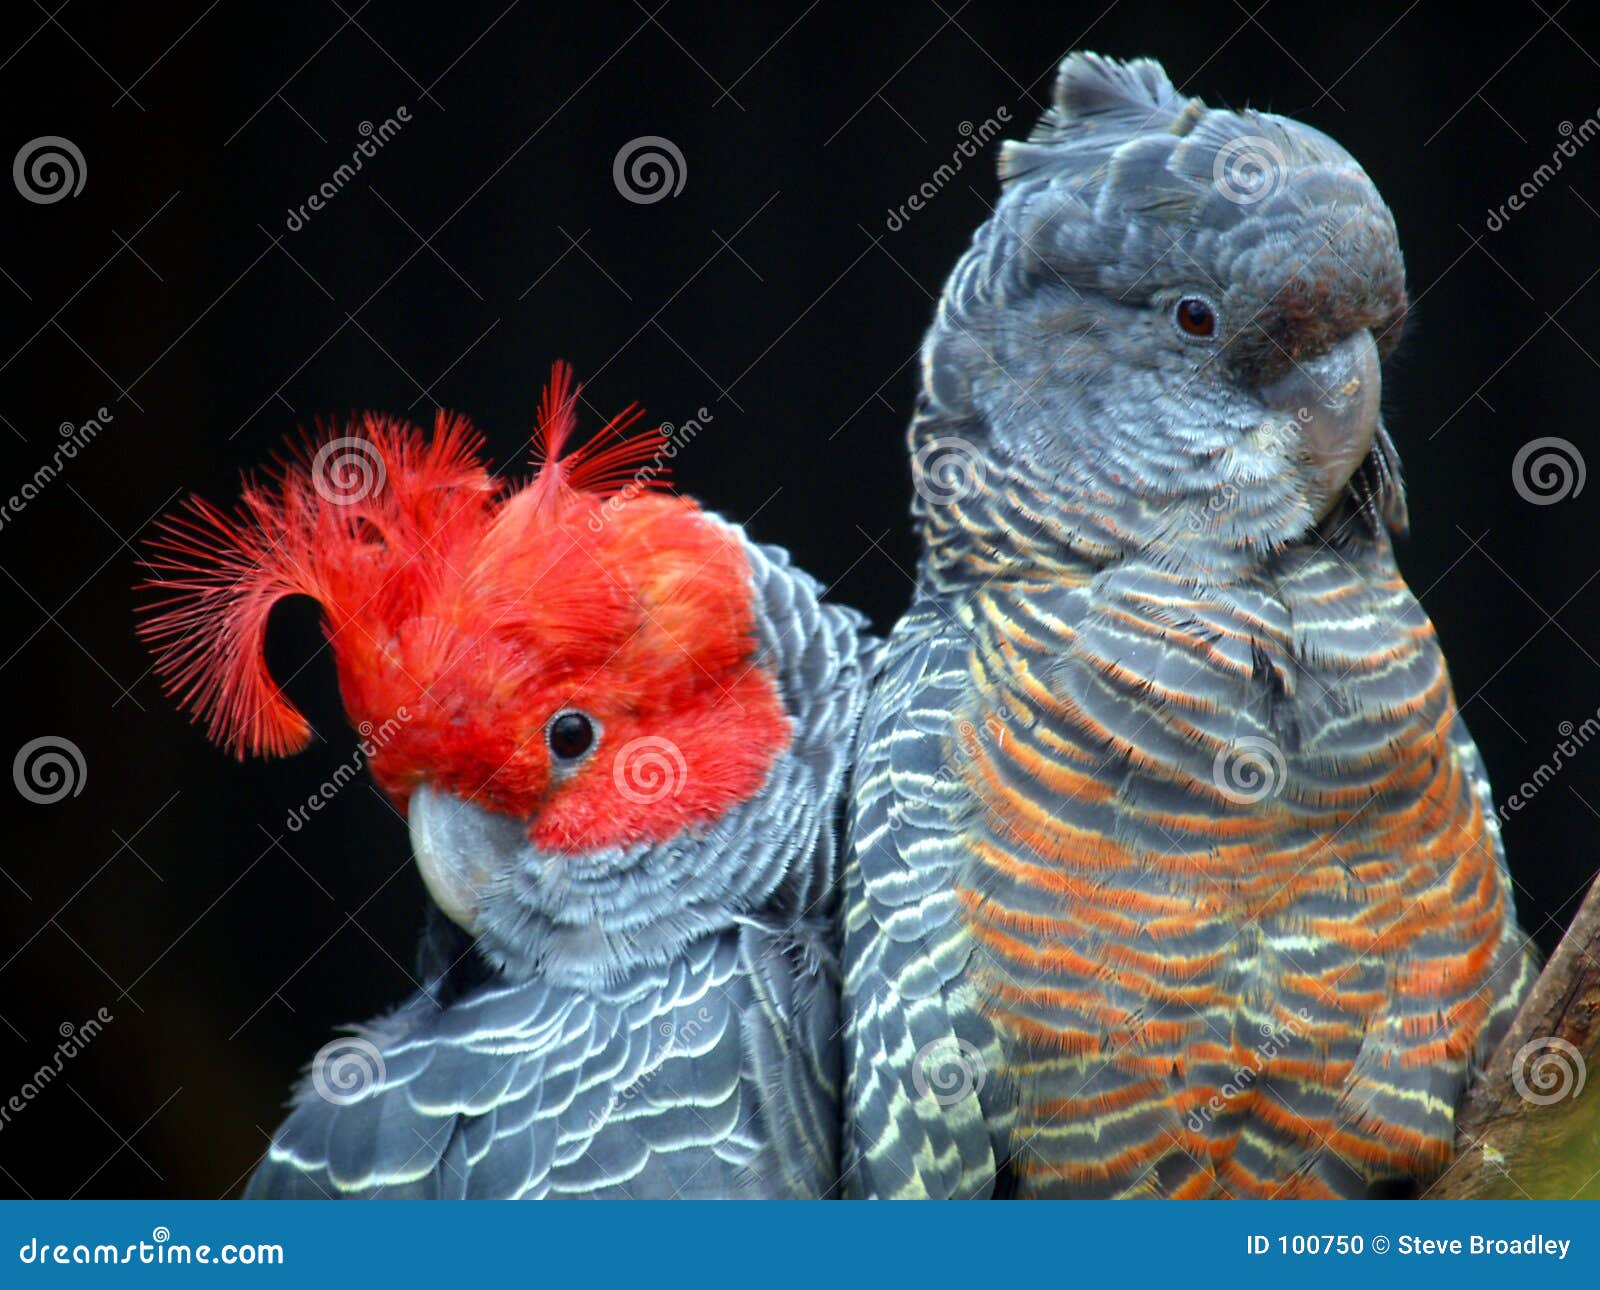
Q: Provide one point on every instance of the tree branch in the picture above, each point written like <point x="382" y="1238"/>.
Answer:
<point x="1516" y="1115"/>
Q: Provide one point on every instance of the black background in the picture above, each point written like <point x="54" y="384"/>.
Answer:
<point x="769" y="290"/>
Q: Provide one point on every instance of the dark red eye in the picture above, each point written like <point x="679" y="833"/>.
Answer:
<point x="570" y="735"/>
<point x="1196" y="317"/>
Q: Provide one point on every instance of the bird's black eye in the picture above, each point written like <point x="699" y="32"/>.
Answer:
<point x="570" y="735"/>
<point x="1195" y="317"/>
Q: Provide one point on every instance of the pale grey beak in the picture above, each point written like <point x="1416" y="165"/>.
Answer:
<point x="1334" y="400"/>
<point x="460" y="848"/>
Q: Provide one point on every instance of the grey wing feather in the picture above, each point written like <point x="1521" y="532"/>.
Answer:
<point x="911" y="1131"/>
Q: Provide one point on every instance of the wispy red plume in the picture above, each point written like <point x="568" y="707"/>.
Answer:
<point x="371" y="520"/>
<point x="345" y="521"/>
<point x="611" y="461"/>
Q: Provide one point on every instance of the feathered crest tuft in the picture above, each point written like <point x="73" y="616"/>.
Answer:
<point x="611" y="461"/>
<point x="1090" y="86"/>
<point x="368" y="519"/>
<point x="1100" y="103"/>
<point x="335" y="520"/>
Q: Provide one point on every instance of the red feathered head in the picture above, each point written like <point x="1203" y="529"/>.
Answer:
<point x="579" y="652"/>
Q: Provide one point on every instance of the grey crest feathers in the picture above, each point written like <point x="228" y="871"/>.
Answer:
<point x="1101" y="100"/>
<point x="1055" y="354"/>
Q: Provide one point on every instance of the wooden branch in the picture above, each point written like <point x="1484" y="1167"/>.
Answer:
<point x="1511" y="1123"/>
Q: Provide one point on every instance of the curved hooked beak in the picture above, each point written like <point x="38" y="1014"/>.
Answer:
<point x="1334" y="400"/>
<point x="458" y="849"/>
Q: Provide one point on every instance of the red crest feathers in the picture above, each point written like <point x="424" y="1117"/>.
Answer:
<point x="476" y="611"/>
<point x="610" y="462"/>
<point x="333" y="522"/>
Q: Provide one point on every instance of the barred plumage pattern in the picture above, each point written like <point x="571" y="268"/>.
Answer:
<point x="1206" y="875"/>
<point x="1173" y="868"/>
